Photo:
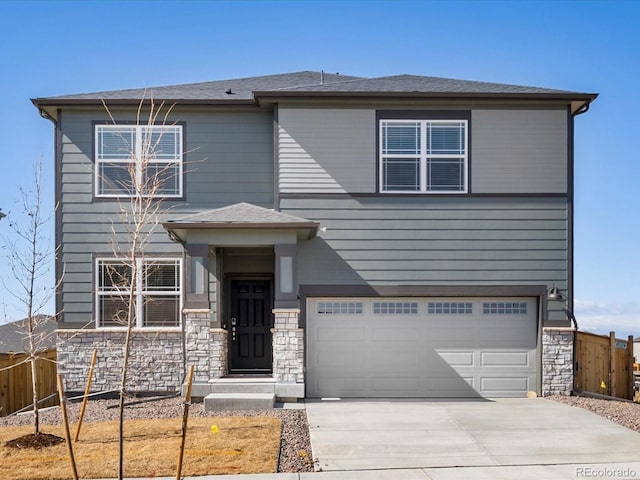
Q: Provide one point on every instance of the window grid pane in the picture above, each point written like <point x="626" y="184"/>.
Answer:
<point x="449" y="308"/>
<point x="445" y="174"/>
<point x="504" y="308"/>
<point x="445" y="138"/>
<point x="339" y="308"/>
<point x="115" y="178"/>
<point x="161" y="311"/>
<point x="402" y="138"/>
<point x="395" y="308"/>
<point x="162" y="276"/>
<point x="402" y="174"/>
<point x="113" y="311"/>
<point x="161" y="142"/>
<point x="116" y="143"/>
<point x="114" y="276"/>
<point x="162" y="179"/>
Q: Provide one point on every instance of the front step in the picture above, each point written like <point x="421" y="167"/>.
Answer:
<point x="239" y="401"/>
<point x="233" y="385"/>
<point x="200" y="390"/>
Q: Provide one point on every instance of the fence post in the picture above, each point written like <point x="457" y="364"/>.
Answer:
<point x="630" y="382"/>
<point x="612" y="364"/>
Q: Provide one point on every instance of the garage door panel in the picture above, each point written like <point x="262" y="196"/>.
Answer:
<point x="390" y="384"/>
<point x="457" y="359"/>
<point x="465" y="350"/>
<point x="503" y="385"/>
<point x="394" y="360"/>
<point x="338" y="358"/>
<point x="513" y="359"/>
<point x="339" y="333"/>
<point x="451" y="386"/>
<point x="388" y="335"/>
<point x="341" y="387"/>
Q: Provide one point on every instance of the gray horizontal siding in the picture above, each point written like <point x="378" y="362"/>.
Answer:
<point x="519" y="151"/>
<point x="326" y="150"/>
<point x="334" y="150"/>
<point x="224" y="150"/>
<point x="434" y="241"/>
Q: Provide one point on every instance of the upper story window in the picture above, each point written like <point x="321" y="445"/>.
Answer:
<point x="138" y="157"/>
<point x="423" y="156"/>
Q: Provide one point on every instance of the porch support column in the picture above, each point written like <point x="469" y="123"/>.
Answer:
<point x="197" y="340"/>
<point x="288" y="354"/>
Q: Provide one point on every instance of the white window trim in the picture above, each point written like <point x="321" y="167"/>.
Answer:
<point x="423" y="157"/>
<point x="137" y="150"/>
<point x="139" y="293"/>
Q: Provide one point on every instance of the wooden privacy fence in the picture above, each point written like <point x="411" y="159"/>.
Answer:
<point x="604" y="365"/>
<point x="15" y="383"/>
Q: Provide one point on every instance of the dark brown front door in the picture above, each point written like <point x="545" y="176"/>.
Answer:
<point x="250" y="326"/>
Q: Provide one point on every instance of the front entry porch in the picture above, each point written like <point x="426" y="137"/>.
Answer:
<point x="241" y="306"/>
<point x="207" y="349"/>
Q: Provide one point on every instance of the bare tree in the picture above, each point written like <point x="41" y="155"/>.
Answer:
<point x="29" y="260"/>
<point x="142" y="190"/>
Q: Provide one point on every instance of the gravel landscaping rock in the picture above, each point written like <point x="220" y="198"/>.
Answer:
<point x="295" y="446"/>
<point x="626" y="414"/>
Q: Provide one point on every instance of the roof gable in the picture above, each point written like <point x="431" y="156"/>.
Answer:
<point x="239" y="215"/>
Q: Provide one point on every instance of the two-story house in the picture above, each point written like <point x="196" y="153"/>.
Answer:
<point x="336" y="236"/>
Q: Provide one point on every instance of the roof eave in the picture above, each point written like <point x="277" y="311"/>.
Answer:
<point x="239" y="225"/>
<point x="310" y="229"/>
<point x="48" y="106"/>
<point x="574" y="98"/>
<point x="54" y="102"/>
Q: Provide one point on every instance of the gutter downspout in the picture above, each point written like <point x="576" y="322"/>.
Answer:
<point x="569" y="311"/>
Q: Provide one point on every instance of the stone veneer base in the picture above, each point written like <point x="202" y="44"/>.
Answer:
<point x="557" y="361"/>
<point x="158" y="363"/>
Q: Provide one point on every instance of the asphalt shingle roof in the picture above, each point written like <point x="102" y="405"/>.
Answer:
<point x="240" y="214"/>
<point x="240" y="88"/>
<point x="247" y="90"/>
<point x="420" y="84"/>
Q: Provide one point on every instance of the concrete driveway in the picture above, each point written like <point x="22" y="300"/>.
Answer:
<point x="410" y="434"/>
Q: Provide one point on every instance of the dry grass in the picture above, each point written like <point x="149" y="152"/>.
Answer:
<point x="242" y="445"/>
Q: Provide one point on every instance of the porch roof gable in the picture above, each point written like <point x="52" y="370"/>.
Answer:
<point x="241" y="216"/>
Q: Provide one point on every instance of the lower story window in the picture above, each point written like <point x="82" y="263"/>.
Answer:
<point x="151" y="288"/>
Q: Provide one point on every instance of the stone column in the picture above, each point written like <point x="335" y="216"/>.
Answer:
<point x="198" y="344"/>
<point x="288" y="353"/>
<point x="557" y="361"/>
<point x="219" y="352"/>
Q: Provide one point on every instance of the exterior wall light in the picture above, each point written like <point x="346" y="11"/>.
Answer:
<point x="555" y="295"/>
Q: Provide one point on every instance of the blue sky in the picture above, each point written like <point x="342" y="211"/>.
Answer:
<point x="53" y="48"/>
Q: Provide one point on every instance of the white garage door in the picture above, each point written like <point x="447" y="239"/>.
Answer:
<point x="424" y="347"/>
